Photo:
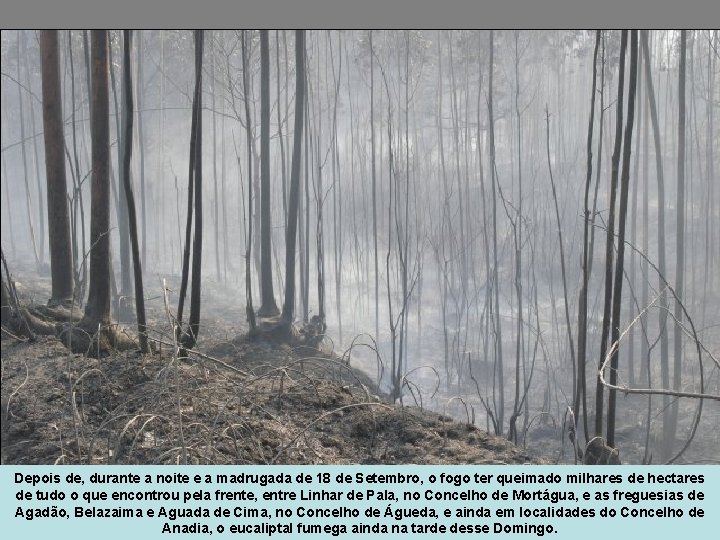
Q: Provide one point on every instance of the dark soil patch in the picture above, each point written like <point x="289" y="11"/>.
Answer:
<point x="245" y="399"/>
<point x="266" y="404"/>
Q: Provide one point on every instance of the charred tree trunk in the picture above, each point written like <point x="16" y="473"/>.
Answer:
<point x="619" y="277"/>
<point x="78" y="213"/>
<point x="61" y="262"/>
<point x="500" y="402"/>
<point x="250" y="311"/>
<point x="680" y="249"/>
<point x="268" y="307"/>
<point x="610" y="237"/>
<point x="663" y="306"/>
<point x="97" y="310"/>
<point x="581" y="390"/>
<point x="190" y="336"/>
<point x="130" y="199"/>
<point x="141" y="142"/>
<point x="291" y="235"/>
<point x="95" y="334"/>
<point x="121" y="207"/>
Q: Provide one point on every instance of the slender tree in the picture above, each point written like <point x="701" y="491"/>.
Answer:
<point x="139" y="90"/>
<point x="500" y="403"/>
<point x="374" y="184"/>
<point x="622" y="219"/>
<point x="268" y="307"/>
<point x="680" y="249"/>
<point x="216" y="198"/>
<point x="249" y="310"/>
<point x="36" y="162"/>
<point x="61" y="262"/>
<point x="281" y="138"/>
<point x="129" y="197"/>
<point x="121" y="207"/>
<point x="78" y="213"/>
<point x="663" y="303"/>
<point x="580" y="390"/>
<point x="190" y="337"/>
<point x="97" y="309"/>
<point x="26" y="176"/>
<point x="610" y="235"/>
<point x="291" y="234"/>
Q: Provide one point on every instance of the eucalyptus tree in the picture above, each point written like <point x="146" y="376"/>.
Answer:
<point x="622" y="217"/>
<point x="663" y="302"/>
<point x="610" y="237"/>
<point x="61" y="262"/>
<point x="268" y="307"/>
<point x="680" y="246"/>
<point x="126" y="155"/>
<point x="188" y="337"/>
<point x="291" y="235"/>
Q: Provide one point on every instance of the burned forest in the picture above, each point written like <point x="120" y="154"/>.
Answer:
<point x="375" y="247"/>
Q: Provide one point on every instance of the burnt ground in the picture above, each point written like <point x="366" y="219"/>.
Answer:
<point x="241" y="400"/>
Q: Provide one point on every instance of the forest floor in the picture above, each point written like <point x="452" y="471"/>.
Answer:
<point x="241" y="400"/>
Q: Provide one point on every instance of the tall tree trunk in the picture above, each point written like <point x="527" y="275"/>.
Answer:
<point x="500" y="402"/>
<point x="517" y="236"/>
<point x="268" y="307"/>
<point x="336" y="187"/>
<point x="447" y="277"/>
<point x="21" y="107"/>
<point x="487" y="308"/>
<point x="139" y="89"/>
<point x="319" y="202"/>
<point x="77" y="221"/>
<point x="36" y="162"/>
<point x="223" y="187"/>
<point x="61" y="263"/>
<point x="374" y="185"/>
<point x="249" y="310"/>
<point x="216" y="201"/>
<point x="610" y="236"/>
<point x="190" y="337"/>
<point x="663" y="304"/>
<point x="304" y="212"/>
<point x="281" y="140"/>
<point x="711" y="232"/>
<point x="619" y="277"/>
<point x="631" y="277"/>
<point x="461" y="217"/>
<point x="132" y="218"/>
<point x="97" y="309"/>
<point x="680" y="249"/>
<point x="562" y="250"/>
<point x="581" y="390"/>
<point x="291" y="235"/>
<point x="194" y="204"/>
<point x="122" y="214"/>
<point x="168" y="253"/>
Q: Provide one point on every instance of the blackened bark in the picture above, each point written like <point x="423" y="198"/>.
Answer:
<point x="97" y="309"/>
<point x="61" y="262"/>
<point x="291" y="235"/>
<point x="610" y="237"/>
<point x="190" y="337"/>
<point x="581" y="390"/>
<point x="129" y="197"/>
<point x="268" y="307"/>
<point x="619" y="277"/>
